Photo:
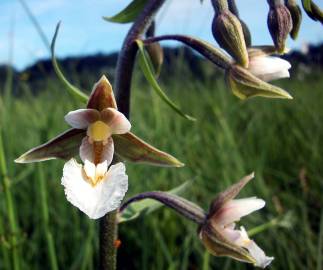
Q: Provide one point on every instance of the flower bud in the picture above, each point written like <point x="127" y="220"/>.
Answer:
<point x="244" y="85"/>
<point x="156" y="54"/>
<point x="296" y="14"/>
<point x="246" y="32"/>
<point x="228" y="32"/>
<point x="279" y="24"/>
<point x="154" y="50"/>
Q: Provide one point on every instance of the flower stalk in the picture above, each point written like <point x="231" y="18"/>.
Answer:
<point x="211" y="53"/>
<point x="125" y="65"/>
<point x="180" y="205"/>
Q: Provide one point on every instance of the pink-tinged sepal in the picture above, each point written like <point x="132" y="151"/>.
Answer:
<point x="64" y="146"/>
<point x="102" y="96"/>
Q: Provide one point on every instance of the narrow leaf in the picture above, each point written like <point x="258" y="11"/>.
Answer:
<point x="147" y="206"/>
<point x="129" y="147"/>
<point x="74" y="91"/>
<point x="129" y="13"/>
<point x="145" y="65"/>
<point x="64" y="146"/>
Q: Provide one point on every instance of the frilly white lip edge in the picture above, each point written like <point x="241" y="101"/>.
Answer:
<point x="94" y="201"/>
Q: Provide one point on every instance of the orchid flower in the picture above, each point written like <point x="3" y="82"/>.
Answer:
<point x="99" y="131"/>
<point x="252" y="81"/>
<point x="219" y="233"/>
<point x="93" y="188"/>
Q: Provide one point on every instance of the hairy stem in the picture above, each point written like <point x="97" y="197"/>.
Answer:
<point x="108" y="237"/>
<point x="125" y="65"/>
<point x="126" y="59"/>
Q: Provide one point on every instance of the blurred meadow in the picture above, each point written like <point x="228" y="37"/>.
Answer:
<point x="280" y="140"/>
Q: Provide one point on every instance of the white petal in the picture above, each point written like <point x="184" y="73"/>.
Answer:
<point x="118" y="123"/>
<point x="231" y="234"/>
<point x="233" y="210"/>
<point x="240" y="238"/>
<point x="90" y="169"/>
<point x="87" y="152"/>
<point x="82" y="118"/>
<point x="269" y="68"/>
<point x="274" y="76"/>
<point x="94" y="201"/>
<point x="258" y="254"/>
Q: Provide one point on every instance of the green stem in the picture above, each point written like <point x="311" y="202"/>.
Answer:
<point x="10" y="208"/>
<point x="108" y="237"/>
<point x="45" y="219"/>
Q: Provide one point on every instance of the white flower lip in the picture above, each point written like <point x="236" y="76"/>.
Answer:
<point x="95" y="201"/>
<point x="268" y="68"/>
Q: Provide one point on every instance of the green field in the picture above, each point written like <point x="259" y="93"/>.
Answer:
<point x="281" y="140"/>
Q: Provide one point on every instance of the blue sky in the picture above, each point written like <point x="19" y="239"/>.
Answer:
<point x="83" y="31"/>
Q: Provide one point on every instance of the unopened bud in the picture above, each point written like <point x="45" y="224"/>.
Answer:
<point x="156" y="54"/>
<point x="244" y="85"/>
<point x="296" y="14"/>
<point x="228" y="32"/>
<point x="279" y="24"/>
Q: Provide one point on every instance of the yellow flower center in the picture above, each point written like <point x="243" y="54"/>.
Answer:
<point x="99" y="131"/>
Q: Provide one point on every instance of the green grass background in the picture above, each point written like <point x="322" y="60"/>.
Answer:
<point x="281" y="140"/>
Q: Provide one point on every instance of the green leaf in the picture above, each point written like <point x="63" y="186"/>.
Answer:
<point x="147" y="206"/>
<point x="131" y="148"/>
<point x="129" y="14"/>
<point x="146" y="67"/>
<point x="74" y="91"/>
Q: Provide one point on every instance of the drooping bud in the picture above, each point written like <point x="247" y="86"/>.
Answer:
<point x="244" y="85"/>
<point x="228" y="32"/>
<point x="156" y="54"/>
<point x="246" y="32"/>
<point x="155" y="51"/>
<point x="296" y="14"/>
<point x="279" y="22"/>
